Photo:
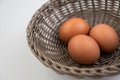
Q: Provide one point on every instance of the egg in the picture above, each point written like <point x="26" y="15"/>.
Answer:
<point x="72" y="27"/>
<point x="105" y="36"/>
<point x="83" y="49"/>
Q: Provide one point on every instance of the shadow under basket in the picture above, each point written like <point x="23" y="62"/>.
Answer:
<point x="44" y="41"/>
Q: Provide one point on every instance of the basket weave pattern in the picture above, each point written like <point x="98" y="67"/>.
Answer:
<point x="44" y="41"/>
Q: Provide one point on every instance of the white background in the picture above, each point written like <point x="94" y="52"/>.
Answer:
<point x="16" y="60"/>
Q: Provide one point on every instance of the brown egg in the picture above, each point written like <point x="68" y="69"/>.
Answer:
<point x="72" y="27"/>
<point x="105" y="36"/>
<point x="83" y="49"/>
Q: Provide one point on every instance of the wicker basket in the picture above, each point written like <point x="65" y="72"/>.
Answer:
<point x="44" y="41"/>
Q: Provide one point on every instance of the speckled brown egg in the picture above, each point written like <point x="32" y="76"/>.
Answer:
<point x="83" y="49"/>
<point x="105" y="36"/>
<point x="72" y="27"/>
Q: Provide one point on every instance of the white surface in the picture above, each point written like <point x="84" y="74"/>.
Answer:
<point x="16" y="60"/>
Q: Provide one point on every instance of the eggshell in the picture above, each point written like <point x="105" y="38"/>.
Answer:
<point x="83" y="49"/>
<point x="72" y="27"/>
<point x="105" y="36"/>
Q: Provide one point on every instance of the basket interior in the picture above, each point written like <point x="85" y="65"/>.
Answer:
<point x="54" y="13"/>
